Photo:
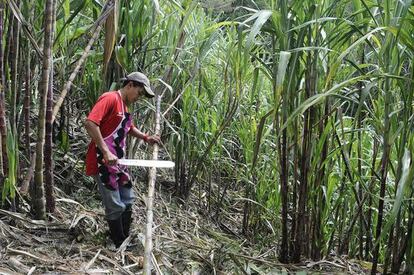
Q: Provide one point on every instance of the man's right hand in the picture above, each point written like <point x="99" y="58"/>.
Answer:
<point x="109" y="158"/>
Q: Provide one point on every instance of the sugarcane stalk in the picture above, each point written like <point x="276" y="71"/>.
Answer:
<point x="3" y="156"/>
<point x="98" y="27"/>
<point x="75" y="72"/>
<point x="151" y="189"/>
<point x="13" y="59"/>
<point x="38" y="198"/>
<point x="48" y="149"/>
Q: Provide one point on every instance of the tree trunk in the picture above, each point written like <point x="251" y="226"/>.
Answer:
<point x="38" y="199"/>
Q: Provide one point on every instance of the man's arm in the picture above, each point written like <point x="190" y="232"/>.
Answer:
<point x="95" y="134"/>
<point x="148" y="139"/>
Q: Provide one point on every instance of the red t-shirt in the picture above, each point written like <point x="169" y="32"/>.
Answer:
<point x="107" y="114"/>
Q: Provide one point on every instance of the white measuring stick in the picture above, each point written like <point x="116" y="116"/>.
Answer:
<point x="147" y="163"/>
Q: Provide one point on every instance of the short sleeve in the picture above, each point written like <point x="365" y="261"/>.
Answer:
<point x="101" y="109"/>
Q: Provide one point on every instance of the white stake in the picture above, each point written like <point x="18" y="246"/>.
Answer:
<point x="151" y="189"/>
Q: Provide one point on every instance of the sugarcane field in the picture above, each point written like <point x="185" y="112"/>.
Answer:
<point x="206" y="137"/>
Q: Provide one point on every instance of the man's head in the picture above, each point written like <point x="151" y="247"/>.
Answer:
<point x="136" y="84"/>
<point x="132" y="91"/>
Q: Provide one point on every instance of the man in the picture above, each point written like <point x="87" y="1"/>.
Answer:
<point x="108" y="124"/>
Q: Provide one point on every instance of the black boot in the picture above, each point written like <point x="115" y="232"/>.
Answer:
<point x="127" y="219"/>
<point x="116" y="231"/>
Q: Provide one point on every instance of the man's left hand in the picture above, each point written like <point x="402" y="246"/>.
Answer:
<point x="153" y="139"/>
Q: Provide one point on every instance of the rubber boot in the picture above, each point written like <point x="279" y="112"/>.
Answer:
<point x="127" y="219"/>
<point x="116" y="231"/>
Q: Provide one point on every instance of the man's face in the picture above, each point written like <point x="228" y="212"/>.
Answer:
<point x="135" y="92"/>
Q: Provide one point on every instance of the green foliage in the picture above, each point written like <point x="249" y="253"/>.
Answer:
<point x="329" y="82"/>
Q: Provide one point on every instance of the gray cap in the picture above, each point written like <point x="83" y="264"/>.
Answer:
<point x="140" y="78"/>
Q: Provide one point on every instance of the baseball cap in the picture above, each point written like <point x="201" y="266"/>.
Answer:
<point x="140" y="78"/>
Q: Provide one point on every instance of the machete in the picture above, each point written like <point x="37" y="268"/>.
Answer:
<point x="147" y="163"/>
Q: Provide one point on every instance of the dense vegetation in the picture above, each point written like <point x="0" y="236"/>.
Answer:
<point x="303" y="109"/>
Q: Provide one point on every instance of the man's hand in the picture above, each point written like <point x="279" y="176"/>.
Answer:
<point x="147" y="138"/>
<point x="153" y="139"/>
<point x="109" y="158"/>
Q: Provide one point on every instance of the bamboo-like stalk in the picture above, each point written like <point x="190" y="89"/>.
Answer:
<point x="48" y="158"/>
<point x="26" y="105"/>
<point x="280" y="90"/>
<point x="368" y="241"/>
<point x="3" y="156"/>
<point x="401" y="242"/>
<point x="404" y="247"/>
<point x="75" y="72"/>
<point x="13" y="59"/>
<point x="24" y="187"/>
<point x="386" y="85"/>
<point x="6" y="54"/>
<point x="38" y="196"/>
<point x="384" y="172"/>
<point x="49" y="166"/>
<point x="109" y="6"/>
<point x="359" y="152"/>
<point x="18" y="15"/>
<point x="110" y="36"/>
<point x="310" y="88"/>
<point x="151" y="190"/>
<point x="28" y="91"/>
<point x="320" y="182"/>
